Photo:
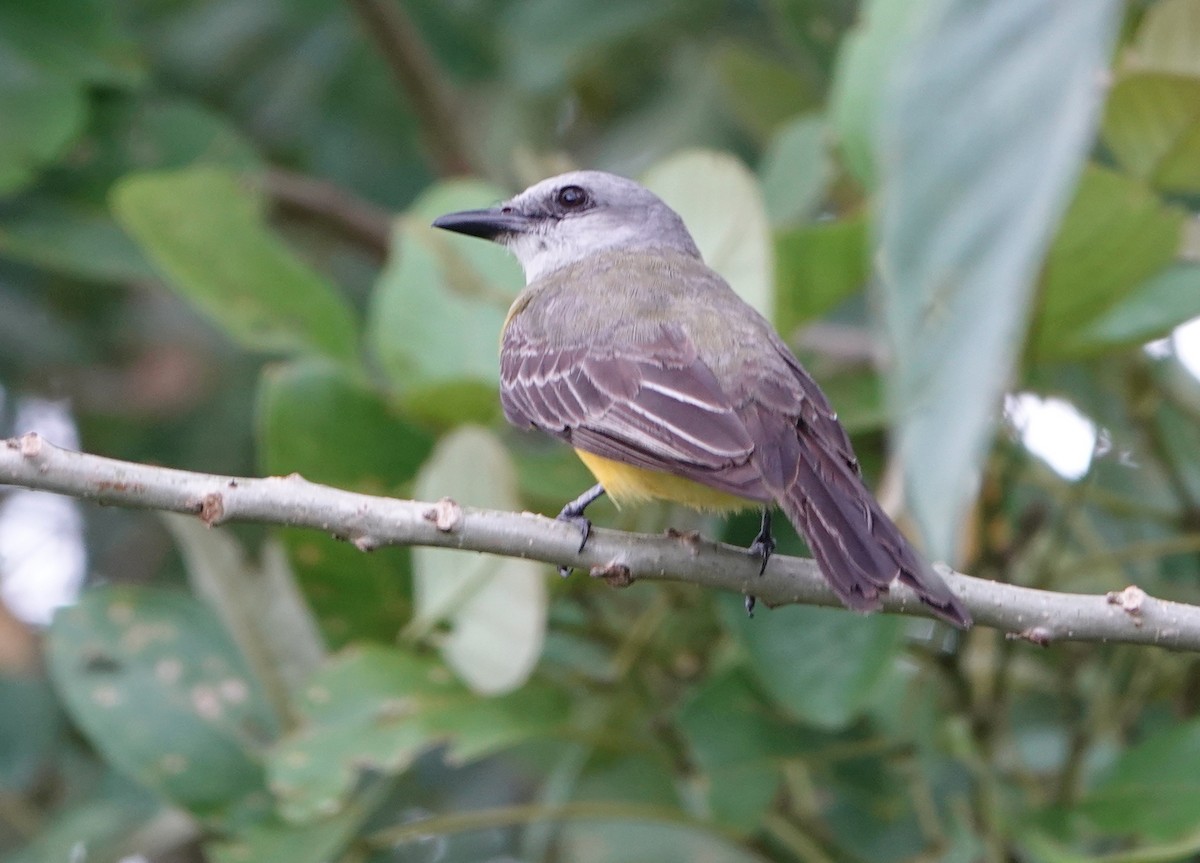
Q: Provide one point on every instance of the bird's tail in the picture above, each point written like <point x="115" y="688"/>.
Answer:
<point x="859" y="549"/>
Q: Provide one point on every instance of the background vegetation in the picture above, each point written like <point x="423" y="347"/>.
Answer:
<point x="214" y="246"/>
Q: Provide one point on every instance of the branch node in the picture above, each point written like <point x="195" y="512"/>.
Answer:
<point x="688" y="537"/>
<point x="446" y="515"/>
<point x="1130" y="600"/>
<point x="212" y="508"/>
<point x="1039" y="635"/>
<point x="614" y="573"/>
<point x="30" y="445"/>
<point x="364" y="542"/>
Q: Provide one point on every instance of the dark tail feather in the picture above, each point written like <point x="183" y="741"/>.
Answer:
<point x="858" y="548"/>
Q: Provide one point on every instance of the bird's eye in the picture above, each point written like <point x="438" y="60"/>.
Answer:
<point x="571" y="197"/>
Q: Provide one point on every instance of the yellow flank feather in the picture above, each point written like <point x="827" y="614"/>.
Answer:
<point x="628" y="484"/>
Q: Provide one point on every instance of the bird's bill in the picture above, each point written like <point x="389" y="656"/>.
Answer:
<point x="488" y="224"/>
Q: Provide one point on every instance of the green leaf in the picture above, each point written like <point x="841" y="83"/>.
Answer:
<point x="49" y="52"/>
<point x="495" y="606"/>
<point x="317" y="419"/>
<point x="440" y="304"/>
<point x="81" y="39"/>
<point x="161" y="135"/>
<point x="796" y="169"/>
<point x="43" y="111"/>
<point x="153" y="681"/>
<point x="738" y="744"/>
<point x="1168" y="39"/>
<point x="761" y="92"/>
<point x="988" y="119"/>
<point x="864" y="65"/>
<point x="206" y="232"/>
<point x="1152" y="125"/>
<point x="101" y="822"/>
<point x="31" y="727"/>
<point x="73" y="238"/>
<point x="1153" y="789"/>
<point x="1158" y="305"/>
<point x="1115" y="235"/>
<point x="722" y="205"/>
<point x="354" y="595"/>
<point x="258" y="604"/>
<point x="378" y="708"/>
<point x="817" y="267"/>
<point x="821" y="664"/>
<point x="273" y="840"/>
<point x="623" y="841"/>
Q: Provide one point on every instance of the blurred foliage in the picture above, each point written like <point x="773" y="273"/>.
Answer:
<point x="195" y="197"/>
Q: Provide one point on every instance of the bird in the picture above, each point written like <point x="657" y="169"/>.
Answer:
<point x="668" y="385"/>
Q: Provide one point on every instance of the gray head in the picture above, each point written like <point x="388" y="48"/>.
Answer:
<point x="564" y="219"/>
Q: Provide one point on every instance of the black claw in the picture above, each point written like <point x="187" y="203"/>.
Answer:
<point x="763" y="546"/>
<point x="572" y="514"/>
<point x="750" y="602"/>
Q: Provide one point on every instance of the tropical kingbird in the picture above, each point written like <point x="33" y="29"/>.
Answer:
<point x="668" y="385"/>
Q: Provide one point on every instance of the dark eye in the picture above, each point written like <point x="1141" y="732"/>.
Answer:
<point x="571" y="197"/>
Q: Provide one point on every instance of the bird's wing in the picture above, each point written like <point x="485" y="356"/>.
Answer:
<point x="652" y="404"/>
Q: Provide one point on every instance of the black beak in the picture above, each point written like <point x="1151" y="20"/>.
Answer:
<point x="488" y="224"/>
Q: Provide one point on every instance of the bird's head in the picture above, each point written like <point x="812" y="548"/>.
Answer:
<point x="567" y="218"/>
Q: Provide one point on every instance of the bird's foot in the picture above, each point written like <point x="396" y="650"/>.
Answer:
<point x="764" y="544"/>
<point x="572" y="514"/>
<point x="762" y="547"/>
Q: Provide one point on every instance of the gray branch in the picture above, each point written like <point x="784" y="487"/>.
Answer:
<point x="370" y="522"/>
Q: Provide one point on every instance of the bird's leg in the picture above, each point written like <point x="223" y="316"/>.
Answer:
<point x="572" y="513"/>
<point x="764" y="546"/>
<point x="764" y="543"/>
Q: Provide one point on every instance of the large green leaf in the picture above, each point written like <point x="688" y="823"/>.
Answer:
<point x="318" y="419"/>
<point x="1153" y="789"/>
<point x="258" y="603"/>
<point x="622" y="841"/>
<point x="273" y="840"/>
<point x="153" y="681"/>
<point x="796" y="169"/>
<point x="818" y="266"/>
<point x="864" y="65"/>
<point x="1115" y="235"/>
<point x="102" y="822"/>
<point x="43" y="111"/>
<point x="1152" y="125"/>
<point x="1164" y="301"/>
<point x="49" y="52"/>
<point x="1168" y="39"/>
<point x="988" y="119"/>
<point x="495" y="606"/>
<point x="354" y="595"/>
<point x="378" y="708"/>
<point x="722" y="205"/>
<point x="739" y="744"/>
<point x="82" y="39"/>
<point x="761" y="91"/>
<point x="822" y="665"/>
<point x="205" y="230"/>
<point x="71" y="237"/>
<point x="439" y="306"/>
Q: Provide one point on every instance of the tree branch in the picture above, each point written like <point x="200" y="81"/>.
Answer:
<point x="370" y="522"/>
<point x="360" y="221"/>
<point x="417" y="73"/>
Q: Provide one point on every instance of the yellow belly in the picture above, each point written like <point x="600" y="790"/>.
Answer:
<point x="628" y="484"/>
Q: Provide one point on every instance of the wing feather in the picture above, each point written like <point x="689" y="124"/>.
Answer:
<point x="656" y="405"/>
